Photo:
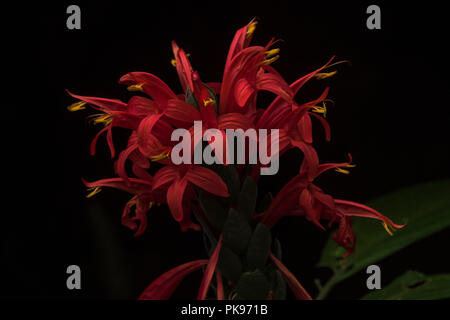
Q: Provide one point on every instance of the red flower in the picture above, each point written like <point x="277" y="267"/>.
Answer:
<point x="301" y="197"/>
<point x="113" y="113"/>
<point x="143" y="200"/>
<point x="163" y="287"/>
<point x="179" y="180"/>
<point x="152" y="121"/>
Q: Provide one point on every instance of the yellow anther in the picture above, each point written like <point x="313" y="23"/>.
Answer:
<point x="150" y="205"/>
<point x="386" y="227"/>
<point x="77" y="106"/>
<point x="271" y="60"/>
<point x="136" y="87"/>
<point x="207" y="102"/>
<point x="340" y="170"/>
<point x="344" y="171"/>
<point x="251" y="28"/>
<point x="161" y="156"/>
<point x="105" y="118"/>
<point x="272" y="52"/>
<point x="93" y="191"/>
<point x="324" y="75"/>
<point x="320" y="109"/>
<point x="174" y="61"/>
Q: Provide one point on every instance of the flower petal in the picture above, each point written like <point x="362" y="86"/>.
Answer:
<point x="135" y="186"/>
<point x="243" y="90"/>
<point x="326" y="126"/>
<point x="181" y="111"/>
<point x="175" y="195"/>
<point x="164" y="175"/>
<point x="102" y="103"/>
<point x="299" y="292"/>
<point x="328" y="166"/>
<point x="151" y="85"/>
<point x="207" y="180"/>
<point x="142" y="106"/>
<point x="163" y="287"/>
<point x="234" y="121"/>
<point x="349" y="208"/>
<point x="209" y="271"/>
<point x="183" y="66"/>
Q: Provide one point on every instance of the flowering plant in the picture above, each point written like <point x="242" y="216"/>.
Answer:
<point x="220" y="199"/>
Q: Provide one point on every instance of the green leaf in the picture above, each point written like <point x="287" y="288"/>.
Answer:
<point x="277" y="249"/>
<point x="279" y="292"/>
<point x="259" y="247"/>
<point x="265" y="202"/>
<point x="230" y="176"/>
<point x="414" y="285"/>
<point x="236" y="232"/>
<point x="190" y="98"/>
<point x="207" y="232"/>
<point x="229" y="264"/>
<point x="214" y="97"/>
<point x="215" y="212"/>
<point x="424" y="207"/>
<point x="247" y="197"/>
<point x="253" y="286"/>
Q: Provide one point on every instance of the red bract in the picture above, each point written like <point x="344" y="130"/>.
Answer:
<point x="230" y="104"/>
<point x="301" y="197"/>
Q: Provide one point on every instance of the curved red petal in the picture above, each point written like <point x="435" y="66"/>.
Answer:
<point x="163" y="287"/>
<point x="207" y="180"/>
<point x="299" y="292"/>
<point x="209" y="271"/>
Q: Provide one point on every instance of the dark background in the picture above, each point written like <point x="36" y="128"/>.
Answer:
<point x="391" y="112"/>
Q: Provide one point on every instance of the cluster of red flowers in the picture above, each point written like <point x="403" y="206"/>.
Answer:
<point x="230" y="104"/>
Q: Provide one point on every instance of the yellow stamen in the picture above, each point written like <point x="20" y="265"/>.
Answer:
<point x="150" y="205"/>
<point x="386" y="227"/>
<point x="271" y="60"/>
<point x="324" y="75"/>
<point x="344" y="171"/>
<point x="251" y="28"/>
<point x="272" y="52"/>
<point x="136" y="87"/>
<point x="105" y="118"/>
<point x="174" y="61"/>
<point x="77" y="106"/>
<point x="207" y="102"/>
<point x="321" y="109"/>
<point x="160" y="156"/>
<point x="340" y="170"/>
<point x="93" y="191"/>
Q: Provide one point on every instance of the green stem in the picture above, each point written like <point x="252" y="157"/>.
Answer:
<point x="323" y="292"/>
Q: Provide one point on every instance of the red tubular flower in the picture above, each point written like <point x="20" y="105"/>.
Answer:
<point x="246" y="75"/>
<point x="179" y="181"/>
<point x="153" y="119"/>
<point x="143" y="199"/>
<point x="301" y="197"/>
<point x="113" y="113"/>
<point x="163" y="287"/>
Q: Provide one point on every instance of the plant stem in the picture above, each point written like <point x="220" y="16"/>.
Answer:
<point x="328" y="285"/>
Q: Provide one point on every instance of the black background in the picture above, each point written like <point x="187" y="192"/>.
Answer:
<point x="391" y="112"/>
